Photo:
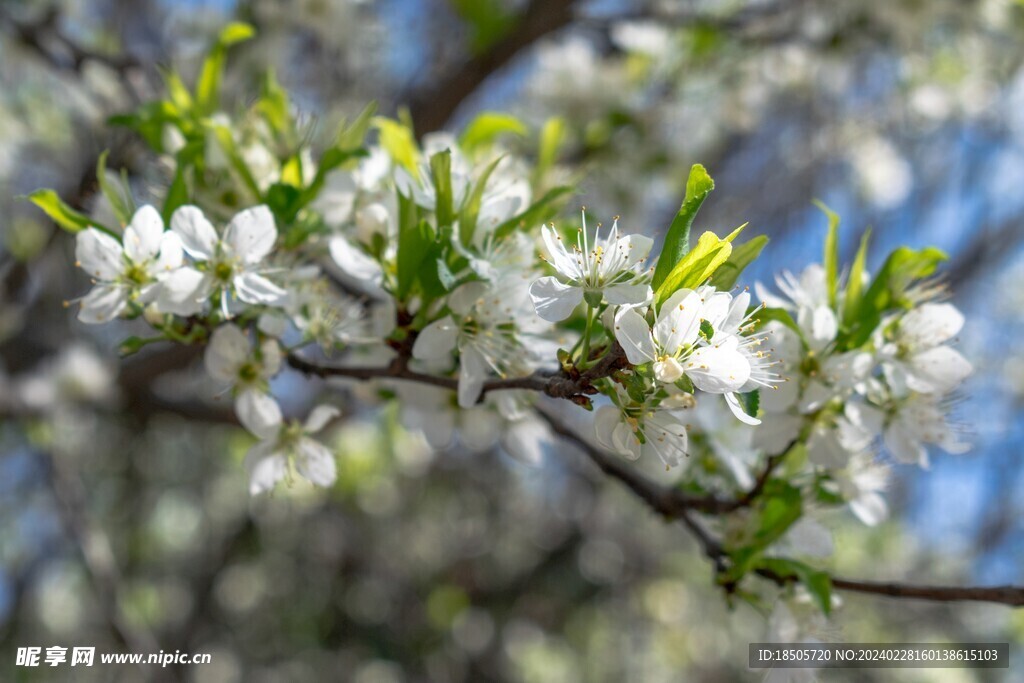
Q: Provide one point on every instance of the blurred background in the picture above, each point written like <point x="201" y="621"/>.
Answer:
<point x="126" y="524"/>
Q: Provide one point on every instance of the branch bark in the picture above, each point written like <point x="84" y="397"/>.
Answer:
<point x="432" y="105"/>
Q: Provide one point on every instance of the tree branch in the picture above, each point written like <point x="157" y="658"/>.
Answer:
<point x="675" y="504"/>
<point x="432" y="105"/>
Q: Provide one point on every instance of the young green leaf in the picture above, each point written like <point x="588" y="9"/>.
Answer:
<point x="677" y="240"/>
<point x="63" y="215"/>
<point x="441" y="170"/>
<point x="208" y="85"/>
<point x="398" y="141"/>
<point x="119" y="201"/>
<point x="696" y="266"/>
<point x="470" y="209"/>
<point x="817" y="583"/>
<point x="537" y="213"/>
<point x="351" y="135"/>
<point x="413" y="247"/>
<point x="487" y="126"/>
<point x="742" y="256"/>
<point x="552" y="136"/>
<point x="851" y="299"/>
<point x="831" y="256"/>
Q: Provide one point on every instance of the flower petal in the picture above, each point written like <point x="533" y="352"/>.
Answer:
<point x="259" y="413"/>
<point x="553" y="300"/>
<point x="197" y="234"/>
<point x="171" y="256"/>
<point x="634" y="336"/>
<point x="103" y="304"/>
<point x="227" y="351"/>
<point x="183" y="291"/>
<point x="253" y="288"/>
<point x="316" y="463"/>
<point x="473" y="371"/>
<point x="98" y="254"/>
<point x="142" y="236"/>
<point x="436" y="341"/>
<point x="931" y="324"/>
<point x="937" y="370"/>
<point x="354" y="262"/>
<point x="634" y="295"/>
<point x="558" y="257"/>
<point x="266" y="467"/>
<point x="678" y="320"/>
<point x="719" y="368"/>
<point x="734" y="405"/>
<point x="319" y="418"/>
<point x="251" y="234"/>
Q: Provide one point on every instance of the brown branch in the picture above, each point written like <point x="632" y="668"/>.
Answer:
<point x="675" y="504"/>
<point x="576" y="387"/>
<point x="433" y="104"/>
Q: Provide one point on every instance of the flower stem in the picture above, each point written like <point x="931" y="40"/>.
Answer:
<point x="585" y="351"/>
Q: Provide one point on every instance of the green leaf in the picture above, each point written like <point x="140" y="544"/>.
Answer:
<point x="696" y="266"/>
<point x="783" y="506"/>
<point x="208" y="85"/>
<point x="179" y="95"/>
<point x="831" y="256"/>
<point x="817" y="583"/>
<point x="887" y="291"/>
<point x="488" y="19"/>
<point x="851" y="299"/>
<point x="177" y="193"/>
<point x="677" y="240"/>
<point x="227" y="143"/>
<point x="471" y="207"/>
<point x="120" y="202"/>
<point x="398" y="141"/>
<point x="538" y="212"/>
<point x="414" y="244"/>
<point x="275" y="107"/>
<point x="552" y="136"/>
<point x="352" y="135"/>
<point x="742" y="256"/>
<point x="751" y="402"/>
<point x="63" y="215"/>
<point x="441" y="171"/>
<point x="487" y="126"/>
<point x="706" y="330"/>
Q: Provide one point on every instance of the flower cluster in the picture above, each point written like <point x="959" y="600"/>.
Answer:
<point x="434" y="271"/>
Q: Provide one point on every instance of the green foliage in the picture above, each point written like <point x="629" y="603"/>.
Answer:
<point x="207" y="99"/>
<point x="470" y="209"/>
<point x="742" y="256"/>
<point x="441" y="171"/>
<point x="751" y="402"/>
<point x="699" y="264"/>
<point x="677" y="241"/>
<point x="62" y="214"/>
<point x="397" y="139"/>
<point x="552" y="137"/>
<point x="831" y="255"/>
<point x="851" y="299"/>
<point x="537" y="213"/>
<point x="487" y="19"/>
<point x="487" y="127"/>
<point x="119" y="197"/>
<point x="817" y="582"/>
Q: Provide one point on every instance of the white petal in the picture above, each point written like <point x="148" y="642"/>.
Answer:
<point x="606" y="419"/>
<point x="103" y="304"/>
<point x="354" y="262"/>
<point x="637" y="246"/>
<point x="810" y="537"/>
<point x="526" y="439"/>
<point x="315" y="462"/>
<point x="719" y="368"/>
<point x="634" y="295"/>
<point x="904" y="446"/>
<point x="253" y="288"/>
<point x="634" y="336"/>
<point x="819" y="325"/>
<point x="98" y="254"/>
<point x="931" y="324"/>
<point x="270" y="358"/>
<point x="259" y="413"/>
<point x="251" y="234"/>
<point x="733" y="402"/>
<point x="678" y="320"/>
<point x="668" y="371"/>
<point x="171" y="256"/>
<point x="466" y="297"/>
<point x="553" y="300"/>
<point x="266" y="467"/>
<point x="558" y="257"/>
<point x="182" y="292"/>
<point x="197" y="234"/>
<point x="479" y="428"/>
<point x="473" y="371"/>
<point x="227" y="351"/>
<point x="870" y="508"/>
<point x="319" y="418"/>
<point x="436" y="341"/>
<point x="142" y="237"/>
<point x="937" y="370"/>
<point x="777" y="432"/>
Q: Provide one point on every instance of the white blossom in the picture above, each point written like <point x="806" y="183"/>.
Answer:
<point x="610" y="268"/>
<point x="133" y="270"/>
